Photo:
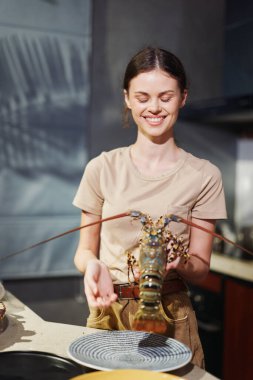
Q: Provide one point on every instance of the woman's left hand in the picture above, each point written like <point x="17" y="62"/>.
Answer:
<point x="174" y="264"/>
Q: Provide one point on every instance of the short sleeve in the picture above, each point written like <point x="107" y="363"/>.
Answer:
<point x="89" y="196"/>
<point x="210" y="203"/>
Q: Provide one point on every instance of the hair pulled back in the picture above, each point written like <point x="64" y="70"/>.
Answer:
<point x="151" y="58"/>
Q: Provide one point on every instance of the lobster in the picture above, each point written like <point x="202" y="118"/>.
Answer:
<point x="157" y="247"/>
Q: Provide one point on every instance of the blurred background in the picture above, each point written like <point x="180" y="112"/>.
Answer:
<point x="61" y="69"/>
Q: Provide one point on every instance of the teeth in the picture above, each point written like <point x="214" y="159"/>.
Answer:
<point x="154" y="119"/>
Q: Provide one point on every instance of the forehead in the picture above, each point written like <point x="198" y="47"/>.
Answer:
<point x="153" y="80"/>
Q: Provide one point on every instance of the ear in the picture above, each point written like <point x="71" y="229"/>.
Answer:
<point x="184" y="97"/>
<point x="127" y="99"/>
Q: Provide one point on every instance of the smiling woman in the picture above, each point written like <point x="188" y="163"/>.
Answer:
<point x="157" y="177"/>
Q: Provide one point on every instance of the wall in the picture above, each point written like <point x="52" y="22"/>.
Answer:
<point x="244" y="183"/>
<point x="44" y="94"/>
<point x="238" y="78"/>
<point x="238" y="81"/>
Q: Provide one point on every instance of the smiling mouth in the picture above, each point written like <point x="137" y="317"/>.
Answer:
<point x="154" y="120"/>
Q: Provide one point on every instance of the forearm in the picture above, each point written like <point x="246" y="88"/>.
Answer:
<point x="200" y="248"/>
<point x="194" y="270"/>
<point x="82" y="257"/>
<point x="88" y="247"/>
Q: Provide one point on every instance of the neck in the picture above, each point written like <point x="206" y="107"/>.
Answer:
<point x="159" y="150"/>
<point x="151" y="157"/>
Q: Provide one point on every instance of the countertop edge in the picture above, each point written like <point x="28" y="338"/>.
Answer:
<point x="241" y="269"/>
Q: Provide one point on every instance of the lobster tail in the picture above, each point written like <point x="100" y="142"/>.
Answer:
<point x="148" y="316"/>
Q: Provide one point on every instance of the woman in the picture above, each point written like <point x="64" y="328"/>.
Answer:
<point x="156" y="177"/>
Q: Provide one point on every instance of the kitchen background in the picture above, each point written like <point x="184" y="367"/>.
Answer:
<point x="61" y="68"/>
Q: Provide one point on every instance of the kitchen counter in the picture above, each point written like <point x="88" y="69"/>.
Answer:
<point x="241" y="269"/>
<point x="27" y="331"/>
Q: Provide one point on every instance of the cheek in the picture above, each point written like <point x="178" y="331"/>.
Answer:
<point x="136" y="116"/>
<point x="137" y="108"/>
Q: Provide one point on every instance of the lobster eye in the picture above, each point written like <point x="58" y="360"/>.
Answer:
<point x="143" y="219"/>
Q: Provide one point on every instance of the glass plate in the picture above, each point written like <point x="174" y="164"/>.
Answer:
<point x="111" y="350"/>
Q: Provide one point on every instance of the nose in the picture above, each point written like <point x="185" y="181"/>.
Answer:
<point x="154" y="106"/>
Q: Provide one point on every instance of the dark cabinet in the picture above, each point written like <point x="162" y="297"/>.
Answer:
<point x="238" y="330"/>
<point x="208" y="304"/>
<point x="224" y="309"/>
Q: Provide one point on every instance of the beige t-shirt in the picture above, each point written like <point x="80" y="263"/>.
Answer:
<point x="111" y="184"/>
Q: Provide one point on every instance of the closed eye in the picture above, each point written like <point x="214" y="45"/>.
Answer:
<point x="142" y="100"/>
<point x="166" y="100"/>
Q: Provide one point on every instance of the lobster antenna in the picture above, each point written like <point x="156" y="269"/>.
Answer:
<point x="176" y="218"/>
<point x="134" y="214"/>
<point x="63" y="234"/>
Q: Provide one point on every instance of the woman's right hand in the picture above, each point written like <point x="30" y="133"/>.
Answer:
<point x="98" y="285"/>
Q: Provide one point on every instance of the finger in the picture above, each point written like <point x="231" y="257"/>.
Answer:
<point x="108" y="301"/>
<point x="172" y="265"/>
<point x="105" y="302"/>
<point x="91" y="284"/>
<point x="91" y="299"/>
<point x="91" y="291"/>
<point x="114" y="297"/>
<point x="136" y="274"/>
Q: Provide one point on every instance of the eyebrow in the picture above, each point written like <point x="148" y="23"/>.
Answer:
<point x="161" y="93"/>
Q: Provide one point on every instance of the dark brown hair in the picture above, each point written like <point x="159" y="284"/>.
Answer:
<point x="151" y="58"/>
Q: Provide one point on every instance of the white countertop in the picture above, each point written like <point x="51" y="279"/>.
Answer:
<point x="27" y="331"/>
<point x="241" y="269"/>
